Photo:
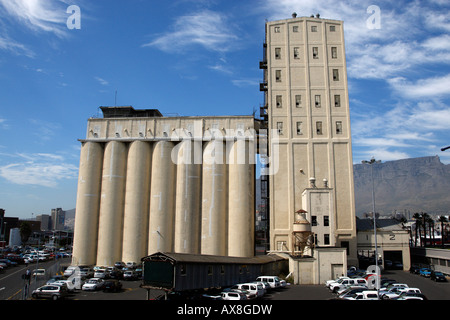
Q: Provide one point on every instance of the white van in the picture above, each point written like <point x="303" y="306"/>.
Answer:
<point x="254" y="288"/>
<point x="273" y="281"/>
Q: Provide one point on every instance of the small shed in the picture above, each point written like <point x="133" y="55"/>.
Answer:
<point x="186" y="272"/>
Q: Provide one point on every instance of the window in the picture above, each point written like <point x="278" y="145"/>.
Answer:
<point x="280" y="128"/>
<point x="326" y="221"/>
<point x="279" y="101"/>
<point x="332" y="28"/>
<point x="335" y="75"/>
<point x="295" y="29"/>
<point x="278" y="53"/>
<point x="333" y="52"/>
<point x="313" y="221"/>
<point x="317" y="101"/>
<point x="278" y="75"/>
<point x="296" y="53"/>
<point x="326" y="239"/>
<point x="210" y="270"/>
<point x="298" y="101"/>
<point x="299" y="128"/>
<point x="319" y="127"/>
<point x="337" y="100"/>
<point x="338" y="127"/>
<point x="183" y="269"/>
<point x="277" y="29"/>
<point x="313" y="28"/>
<point x="222" y="269"/>
<point x="315" y="52"/>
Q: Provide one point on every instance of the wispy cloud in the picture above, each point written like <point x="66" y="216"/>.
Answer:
<point x="205" y="28"/>
<point x="38" y="169"/>
<point x="102" y="81"/>
<point x="422" y="88"/>
<point x="39" y="15"/>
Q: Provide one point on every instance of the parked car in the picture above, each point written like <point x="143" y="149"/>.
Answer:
<point x="101" y="273"/>
<point x="265" y="285"/>
<point x="256" y="289"/>
<point x="329" y="282"/>
<point x="351" y="291"/>
<point x="72" y="284"/>
<point x="414" y="269"/>
<point x="112" y="285"/>
<point x="364" y="295"/>
<point x="335" y="287"/>
<point x="53" y="292"/>
<point x="233" y="295"/>
<point x="411" y="296"/>
<point x="394" y="293"/>
<point x="86" y="272"/>
<point x="129" y="275"/>
<point x="273" y="281"/>
<point x="397" y="265"/>
<point x="425" y="272"/>
<point x="119" y="264"/>
<point x="394" y="285"/>
<point x="69" y="271"/>
<point x="131" y="265"/>
<point x="93" y="284"/>
<point x="38" y="273"/>
<point x="437" y="276"/>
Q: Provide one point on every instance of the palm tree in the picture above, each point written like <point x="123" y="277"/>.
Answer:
<point x="442" y="219"/>
<point x="424" y="217"/>
<point x="416" y="216"/>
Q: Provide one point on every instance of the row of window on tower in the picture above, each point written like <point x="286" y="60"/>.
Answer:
<point x="317" y="101"/>
<point x="295" y="29"/>
<point x="297" y="56"/>
<point x="319" y="128"/>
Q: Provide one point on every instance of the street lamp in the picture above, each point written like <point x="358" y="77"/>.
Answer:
<point x="371" y="163"/>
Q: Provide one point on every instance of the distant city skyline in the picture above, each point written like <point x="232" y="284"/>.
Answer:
<point x="61" y="60"/>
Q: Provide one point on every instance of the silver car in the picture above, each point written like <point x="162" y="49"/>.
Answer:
<point x="50" y="291"/>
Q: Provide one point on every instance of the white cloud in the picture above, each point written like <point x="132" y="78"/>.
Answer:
<point x="39" y="169"/>
<point x="206" y="28"/>
<point x="102" y="81"/>
<point x="422" y="88"/>
<point x="39" y="15"/>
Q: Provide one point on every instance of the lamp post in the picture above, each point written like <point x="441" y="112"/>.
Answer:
<point x="371" y="163"/>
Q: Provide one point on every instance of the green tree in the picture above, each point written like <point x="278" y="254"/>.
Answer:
<point x="442" y="219"/>
<point x="25" y="231"/>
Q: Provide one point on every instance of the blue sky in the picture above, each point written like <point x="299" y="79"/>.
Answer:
<point x="200" y="57"/>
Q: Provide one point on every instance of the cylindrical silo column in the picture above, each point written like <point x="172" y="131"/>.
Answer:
<point x="162" y="199"/>
<point x="112" y="204"/>
<point x="137" y="195"/>
<point x="188" y="198"/>
<point x="240" y="200"/>
<point x="214" y="199"/>
<point x="88" y="204"/>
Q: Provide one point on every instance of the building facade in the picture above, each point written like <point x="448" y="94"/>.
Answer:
<point x="307" y="107"/>
<point x="149" y="183"/>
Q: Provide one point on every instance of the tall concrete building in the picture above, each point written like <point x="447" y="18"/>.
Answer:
<point x="149" y="183"/>
<point x="306" y="103"/>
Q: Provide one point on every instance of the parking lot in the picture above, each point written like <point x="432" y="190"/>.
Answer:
<point x="131" y="290"/>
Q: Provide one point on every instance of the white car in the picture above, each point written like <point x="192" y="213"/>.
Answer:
<point x="365" y="295"/>
<point x="273" y="281"/>
<point x="345" y="283"/>
<point x="394" y="293"/>
<point x="93" y="284"/>
<point x="38" y="273"/>
<point x="233" y="295"/>
<point x="69" y="271"/>
<point x="329" y="282"/>
<point x="100" y="273"/>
